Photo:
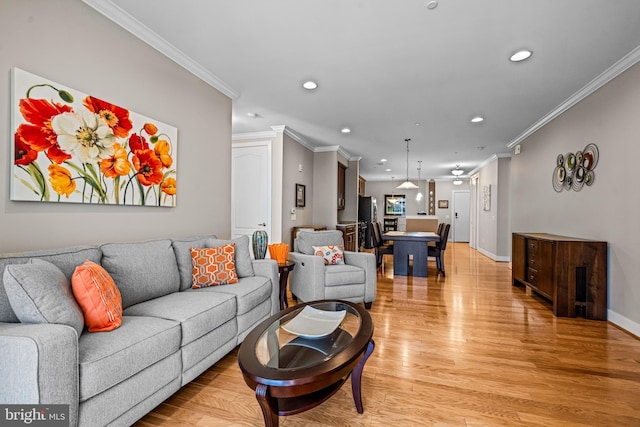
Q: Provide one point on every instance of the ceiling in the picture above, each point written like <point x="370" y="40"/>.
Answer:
<point x="391" y="70"/>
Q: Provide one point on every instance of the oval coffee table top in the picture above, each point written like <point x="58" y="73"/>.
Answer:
<point x="300" y="345"/>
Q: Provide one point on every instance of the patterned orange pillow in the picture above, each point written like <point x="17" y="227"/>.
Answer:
<point x="213" y="266"/>
<point x="98" y="296"/>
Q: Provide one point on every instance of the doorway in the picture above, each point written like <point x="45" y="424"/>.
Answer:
<point x="461" y="216"/>
<point x="250" y="188"/>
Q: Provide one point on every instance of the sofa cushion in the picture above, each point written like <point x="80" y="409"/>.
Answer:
<point x="249" y="292"/>
<point x="337" y="275"/>
<point x="66" y="259"/>
<point x="213" y="266"/>
<point x="39" y="292"/>
<point x="198" y="313"/>
<point x="108" y="358"/>
<point x="181" y="249"/>
<point x="98" y="296"/>
<point x="244" y="267"/>
<point x="306" y="240"/>
<point x="142" y="271"/>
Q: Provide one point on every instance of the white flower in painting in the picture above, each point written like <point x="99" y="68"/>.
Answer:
<point x="84" y="135"/>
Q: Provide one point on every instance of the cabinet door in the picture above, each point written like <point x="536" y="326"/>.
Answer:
<point x="541" y="265"/>
<point x="518" y="257"/>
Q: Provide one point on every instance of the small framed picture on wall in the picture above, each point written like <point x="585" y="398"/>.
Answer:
<point x="443" y="204"/>
<point x="301" y="196"/>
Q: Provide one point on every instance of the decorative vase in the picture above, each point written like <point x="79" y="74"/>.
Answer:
<point x="259" y="241"/>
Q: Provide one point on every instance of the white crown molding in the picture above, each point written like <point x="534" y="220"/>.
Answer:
<point x="326" y="148"/>
<point x="344" y="153"/>
<point x="297" y="138"/>
<point x="487" y="161"/>
<point x="253" y="135"/>
<point x="278" y="128"/>
<point x="355" y="158"/>
<point x="144" y="33"/>
<point x="609" y="74"/>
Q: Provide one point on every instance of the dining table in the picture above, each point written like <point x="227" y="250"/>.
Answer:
<point x="407" y="243"/>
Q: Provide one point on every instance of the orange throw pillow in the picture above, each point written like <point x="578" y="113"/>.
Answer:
<point x="213" y="266"/>
<point x="98" y="296"/>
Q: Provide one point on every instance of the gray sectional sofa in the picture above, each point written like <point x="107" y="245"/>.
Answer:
<point x="169" y="335"/>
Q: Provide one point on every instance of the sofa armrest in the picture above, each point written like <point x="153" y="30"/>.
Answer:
<point x="307" y="277"/>
<point x="366" y="261"/>
<point x="269" y="268"/>
<point x="39" y="365"/>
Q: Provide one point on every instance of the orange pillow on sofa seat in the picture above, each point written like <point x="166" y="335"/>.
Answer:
<point x="98" y="296"/>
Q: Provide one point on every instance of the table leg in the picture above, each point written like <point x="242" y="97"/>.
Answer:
<point x="267" y="404"/>
<point x="356" y="377"/>
<point x="283" y="289"/>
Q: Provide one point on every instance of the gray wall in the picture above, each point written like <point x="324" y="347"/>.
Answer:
<point x="494" y="232"/>
<point x="325" y="175"/>
<point x="68" y="42"/>
<point x="296" y="154"/>
<point x="609" y="209"/>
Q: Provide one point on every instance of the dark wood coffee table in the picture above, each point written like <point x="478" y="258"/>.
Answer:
<point x="291" y="374"/>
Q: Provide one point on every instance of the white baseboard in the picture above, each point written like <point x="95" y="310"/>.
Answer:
<point x="494" y="256"/>
<point x="624" y="323"/>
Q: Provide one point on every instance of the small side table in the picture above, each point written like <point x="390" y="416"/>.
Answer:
<point x="284" y="270"/>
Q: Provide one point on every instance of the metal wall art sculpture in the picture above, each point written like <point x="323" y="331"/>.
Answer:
<point x="573" y="171"/>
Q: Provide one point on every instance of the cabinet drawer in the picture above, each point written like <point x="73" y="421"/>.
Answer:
<point x="532" y="247"/>
<point x="533" y="276"/>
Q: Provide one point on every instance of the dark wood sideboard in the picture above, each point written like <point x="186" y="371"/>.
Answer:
<point x="570" y="272"/>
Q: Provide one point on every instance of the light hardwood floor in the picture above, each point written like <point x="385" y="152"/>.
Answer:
<point x="465" y="350"/>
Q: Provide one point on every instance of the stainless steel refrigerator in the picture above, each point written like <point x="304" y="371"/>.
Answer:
<point x="367" y="214"/>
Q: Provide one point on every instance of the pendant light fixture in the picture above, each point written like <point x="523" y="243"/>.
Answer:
<point x="392" y="200"/>
<point x="457" y="171"/>
<point x="419" y="196"/>
<point x="407" y="185"/>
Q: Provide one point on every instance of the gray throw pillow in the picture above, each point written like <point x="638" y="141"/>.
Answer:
<point x="244" y="266"/>
<point x="39" y="292"/>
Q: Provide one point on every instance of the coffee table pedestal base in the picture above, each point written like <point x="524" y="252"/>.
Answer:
<point x="272" y="407"/>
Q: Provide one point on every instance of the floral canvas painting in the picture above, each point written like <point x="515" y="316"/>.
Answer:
<point x="73" y="147"/>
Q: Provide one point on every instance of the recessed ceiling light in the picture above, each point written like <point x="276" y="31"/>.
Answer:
<point x="345" y="130"/>
<point x="252" y="115"/>
<point x="418" y="124"/>
<point x="310" y="85"/>
<point x="383" y="160"/>
<point x="388" y="170"/>
<point x="477" y="119"/>
<point x="520" y="55"/>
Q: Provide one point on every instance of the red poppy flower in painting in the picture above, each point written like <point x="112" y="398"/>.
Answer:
<point x="148" y="166"/>
<point x="169" y="186"/>
<point x="24" y="155"/>
<point x="117" y="164"/>
<point x="137" y="143"/>
<point x="117" y="118"/>
<point x="38" y="132"/>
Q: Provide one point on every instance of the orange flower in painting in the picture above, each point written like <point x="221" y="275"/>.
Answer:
<point x="117" y="118"/>
<point x="61" y="181"/>
<point x="148" y="166"/>
<point x="163" y="151"/>
<point x="169" y="186"/>
<point x="38" y="132"/>
<point x="137" y="143"/>
<point x="150" y="128"/>
<point x="24" y="155"/>
<point x="116" y="165"/>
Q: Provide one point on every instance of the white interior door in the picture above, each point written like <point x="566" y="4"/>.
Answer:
<point x="460" y="216"/>
<point x="251" y="188"/>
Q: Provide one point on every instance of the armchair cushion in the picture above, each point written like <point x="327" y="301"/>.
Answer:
<point x="338" y="275"/>
<point x="306" y="240"/>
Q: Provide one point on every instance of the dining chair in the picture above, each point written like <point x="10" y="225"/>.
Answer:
<point x="437" y="251"/>
<point x="438" y="232"/>
<point x="381" y="248"/>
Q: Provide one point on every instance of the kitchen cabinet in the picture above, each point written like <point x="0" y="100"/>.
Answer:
<point x="342" y="171"/>
<point x="348" y="235"/>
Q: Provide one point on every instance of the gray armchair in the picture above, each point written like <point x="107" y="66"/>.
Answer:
<point x="311" y="279"/>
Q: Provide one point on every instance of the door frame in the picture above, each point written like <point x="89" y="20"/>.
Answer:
<point x="264" y="143"/>
<point x="453" y="210"/>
